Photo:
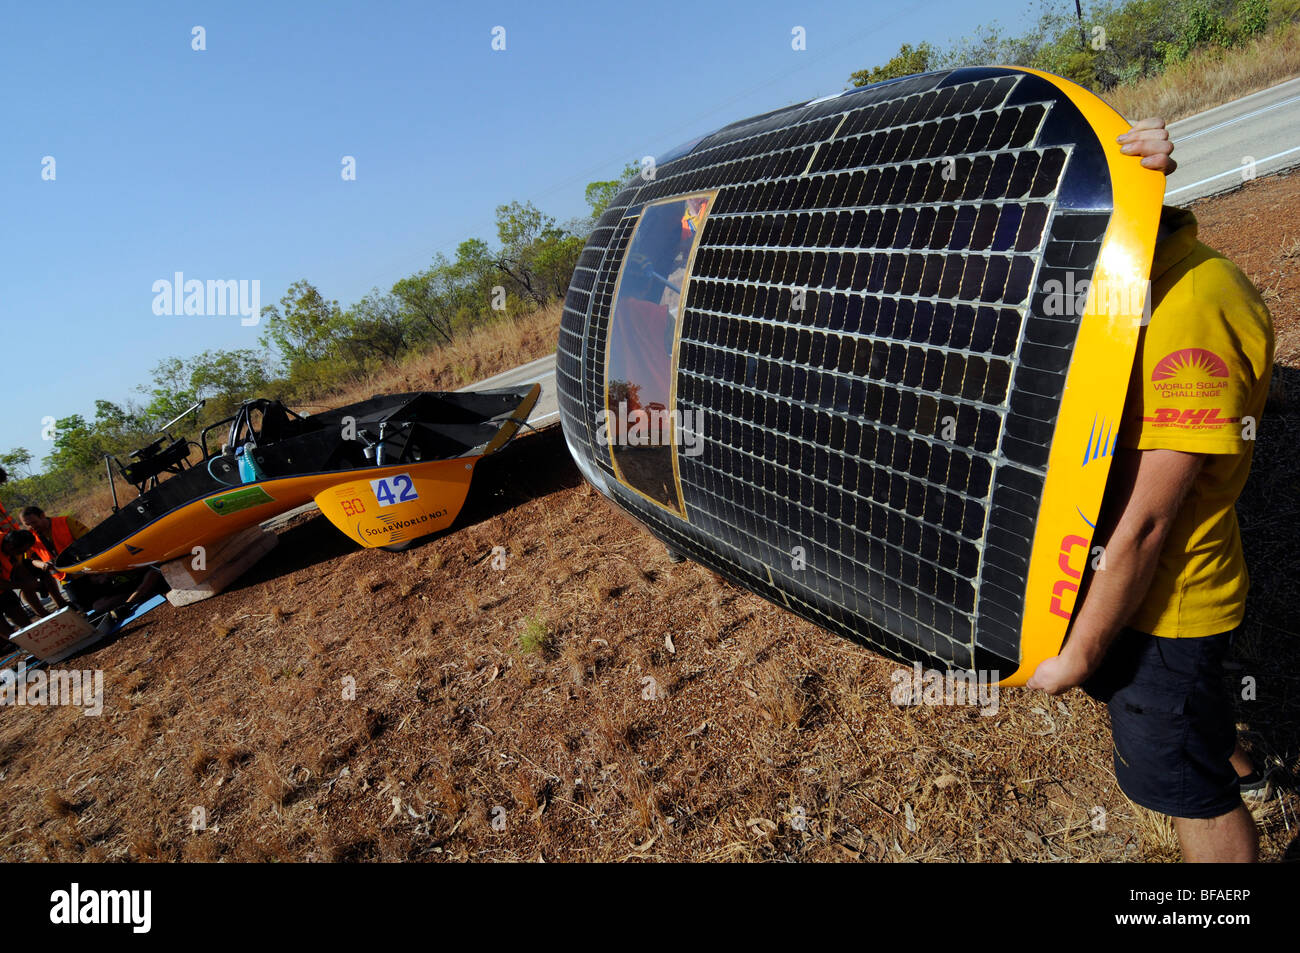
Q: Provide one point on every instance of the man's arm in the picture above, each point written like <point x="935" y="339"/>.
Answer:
<point x="1147" y="489"/>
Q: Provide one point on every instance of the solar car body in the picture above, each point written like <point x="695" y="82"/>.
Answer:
<point x="867" y="355"/>
<point x="385" y="471"/>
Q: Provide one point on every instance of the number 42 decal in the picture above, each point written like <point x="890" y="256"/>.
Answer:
<point x="394" y="489"/>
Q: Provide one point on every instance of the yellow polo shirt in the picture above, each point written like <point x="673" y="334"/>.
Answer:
<point x="1199" y="385"/>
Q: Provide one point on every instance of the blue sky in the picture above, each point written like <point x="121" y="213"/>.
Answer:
<point x="225" y="163"/>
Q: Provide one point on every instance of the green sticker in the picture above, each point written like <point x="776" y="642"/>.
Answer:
<point x="241" y="499"/>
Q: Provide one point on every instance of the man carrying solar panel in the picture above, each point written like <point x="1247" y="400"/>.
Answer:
<point x="1153" y="626"/>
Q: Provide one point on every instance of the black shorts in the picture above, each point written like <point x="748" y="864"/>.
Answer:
<point x="10" y="606"/>
<point x="1172" y="721"/>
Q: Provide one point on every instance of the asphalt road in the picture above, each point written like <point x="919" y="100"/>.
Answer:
<point x="540" y="371"/>
<point x="1256" y="135"/>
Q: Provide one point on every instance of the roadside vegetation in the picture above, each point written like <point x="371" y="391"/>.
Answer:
<point x="1170" y="58"/>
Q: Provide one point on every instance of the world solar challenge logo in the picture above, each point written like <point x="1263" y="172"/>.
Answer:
<point x="1185" y="385"/>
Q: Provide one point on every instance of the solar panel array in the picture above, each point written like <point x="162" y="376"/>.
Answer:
<point x="866" y="342"/>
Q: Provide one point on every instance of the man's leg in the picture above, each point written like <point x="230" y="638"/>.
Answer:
<point x="28" y="586"/>
<point x="143" y="584"/>
<point x="1230" y="839"/>
<point x="1241" y="761"/>
<point x="96" y="592"/>
<point x="11" y="610"/>
<point x="152" y="584"/>
<point x="1172" y="722"/>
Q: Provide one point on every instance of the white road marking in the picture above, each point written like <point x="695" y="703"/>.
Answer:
<point x="1236" y="170"/>
<point x="1234" y="119"/>
<point x="479" y="385"/>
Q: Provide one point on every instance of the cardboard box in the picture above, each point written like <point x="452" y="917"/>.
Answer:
<point x="57" y="636"/>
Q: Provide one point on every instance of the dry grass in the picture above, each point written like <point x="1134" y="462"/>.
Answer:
<point x="58" y="805"/>
<point x="484" y="352"/>
<point x="769" y="739"/>
<point x="1210" y="78"/>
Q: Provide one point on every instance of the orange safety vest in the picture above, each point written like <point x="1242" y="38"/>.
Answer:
<point x="62" y="536"/>
<point x="6" y="520"/>
<point x="692" y="221"/>
<point x="6" y="573"/>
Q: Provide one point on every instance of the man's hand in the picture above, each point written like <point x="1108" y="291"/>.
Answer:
<point x="1150" y="139"/>
<point x="1058" y="674"/>
<point x="1143" y="498"/>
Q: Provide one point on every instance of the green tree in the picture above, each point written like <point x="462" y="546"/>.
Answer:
<point x="222" y="378"/>
<point x="1203" y="24"/>
<point x="909" y="60"/>
<point x="990" y="46"/>
<point x="600" y="194"/>
<point x="17" y="462"/>
<point x="304" y="327"/>
<point x="171" y="392"/>
<point x="376" y="327"/>
<point x="225" y="379"/>
<point x="75" y="445"/>
<point x="1133" y="32"/>
<point x="519" y="226"/>
<point x="1250" y="20"/>
<point x="419" y="297"/>
<point x="450" y="294"/>
<point x="536" y="254"/>
<point x="556" y="257"/>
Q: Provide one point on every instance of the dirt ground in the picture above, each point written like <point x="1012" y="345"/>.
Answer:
<point x="573" y="695"/>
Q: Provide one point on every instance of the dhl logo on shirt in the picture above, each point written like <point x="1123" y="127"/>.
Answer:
<point x="1199" y="418"/>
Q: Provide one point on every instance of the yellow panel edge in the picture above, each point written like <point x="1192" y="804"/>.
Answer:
<point x="1095" y="388"/>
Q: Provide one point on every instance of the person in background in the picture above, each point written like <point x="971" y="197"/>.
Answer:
<point x="119" y="592"/>
<point x="15" y="574"/>
<point x="53" y="536"/>
<point x="12" y="614"/>
<point x="18" y="546"/>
